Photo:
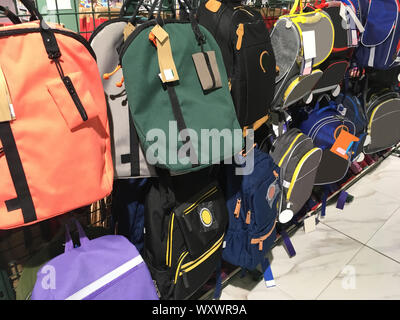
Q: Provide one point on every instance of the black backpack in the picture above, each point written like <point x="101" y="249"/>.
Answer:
<point x="243" y="37"/>
<point x="185" y="224"/>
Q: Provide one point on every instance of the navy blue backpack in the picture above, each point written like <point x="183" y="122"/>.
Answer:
<point x="127" y="210"/>
<point x="380" y="41"/>
<point x="323" y="126"/>
<point x="352" y="108"/>
<point x="252" y="202"/>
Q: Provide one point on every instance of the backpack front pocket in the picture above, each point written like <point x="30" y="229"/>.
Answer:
<point x="73" y="98"/>
<point x="203" y="220"/>
<point x="191" y="273"/>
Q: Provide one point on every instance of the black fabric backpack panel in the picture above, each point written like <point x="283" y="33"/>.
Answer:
<point x="185" y="223"/>
<point x="248" y="55"/>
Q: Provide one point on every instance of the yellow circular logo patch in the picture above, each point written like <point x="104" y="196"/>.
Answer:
<point x="206" y="217"/>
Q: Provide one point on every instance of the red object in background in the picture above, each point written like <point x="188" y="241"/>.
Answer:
<point x="86" y="25"/>
<point x="5" y="24"/>
<point x="270" y="21"/>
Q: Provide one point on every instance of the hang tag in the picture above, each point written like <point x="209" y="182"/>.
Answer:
<point x="306" y="67"/>
<point x="309" y="224"/>
<point x="343" y="144"/>
<point x="207" y="70"/>
<point x="6" y="108"/>
<point x="129" y="28"/>
<point x="164" y="52"/>
<point x="169" y="74"/>
<point x="309" y="45"/>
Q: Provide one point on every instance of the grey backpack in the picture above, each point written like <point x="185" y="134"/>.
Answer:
<point x="295" y="38"/>
<point x="298" y="159"/>
<point x="128" y="157"/>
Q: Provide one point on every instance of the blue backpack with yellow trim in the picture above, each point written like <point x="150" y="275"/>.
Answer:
<point x="252" y="193"/>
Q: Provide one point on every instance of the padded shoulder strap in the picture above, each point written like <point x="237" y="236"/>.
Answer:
<point x="382" y="16"/>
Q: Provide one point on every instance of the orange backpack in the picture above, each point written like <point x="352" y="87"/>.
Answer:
<point x="54" y="137"/>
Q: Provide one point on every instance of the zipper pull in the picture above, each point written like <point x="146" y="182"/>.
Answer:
<point x="248" y="217"/>
<point x="119" y="84"/>
<point x="75" y="98"/>
<point x="185" y="280"/>
<point x="107" y="76"/>
<point x="239" y="33"/>
<point x="237" y="208"/>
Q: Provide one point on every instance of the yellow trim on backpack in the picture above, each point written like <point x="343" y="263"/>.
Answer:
<point x="296" y="172"/>
<point x="204" y="196"/>
<point x="372" y="117"/>
<point x="193" y="264"/>
<point x="182" y="256"/>
<point x="168" y="256"/>
<point x="297" y="18"/>
<point x="290" y="147"/>
<point x="291" y="87"/>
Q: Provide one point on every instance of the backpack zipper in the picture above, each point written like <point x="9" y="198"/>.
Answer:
<point x="193" y="264"/>
<point x="260" y="240"/>
<point x="236" y="213"/>
<point x="208" y="194"/>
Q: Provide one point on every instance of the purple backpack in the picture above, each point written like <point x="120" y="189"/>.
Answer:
<point x="106" y="268"/>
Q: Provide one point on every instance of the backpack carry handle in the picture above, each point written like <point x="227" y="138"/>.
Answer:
<point x="10" y="15"/>
<point x="297" y="4"/>
<point x="83" y="239"/>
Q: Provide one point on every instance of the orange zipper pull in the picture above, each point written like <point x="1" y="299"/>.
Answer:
<point x="119" y="84"/>
<point x="152" y="38"/>
<point x="239" y="33"/>
<point x="237" y="208"/>
<point x="107" y="76"/>
<point x="248" y="217"/>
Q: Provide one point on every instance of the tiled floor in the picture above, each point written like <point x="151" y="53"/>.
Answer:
<point x="353" y="253"/>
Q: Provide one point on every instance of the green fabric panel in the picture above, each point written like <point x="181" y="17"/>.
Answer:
<point x="150" y="104"/>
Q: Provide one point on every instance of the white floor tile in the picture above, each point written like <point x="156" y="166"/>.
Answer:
<point x="387" y="239"/>
<point x="320" y="256"/>
<point x="385" y="178"/>
<point x="261" y="292"/>
<point x="369" y="275"/>
<point x="363" y="217"/>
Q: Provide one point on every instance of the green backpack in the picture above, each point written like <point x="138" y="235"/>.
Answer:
<point x="178" y="94"/>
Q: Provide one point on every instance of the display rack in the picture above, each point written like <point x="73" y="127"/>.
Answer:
<point x="314" y="212"/>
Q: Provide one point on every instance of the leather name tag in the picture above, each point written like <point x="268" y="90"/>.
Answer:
<point x="207" y="70"/>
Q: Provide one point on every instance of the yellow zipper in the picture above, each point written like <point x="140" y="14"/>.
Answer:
<point x="183" y="255"/>
<point x="168" y="256"/>
<point x="203" y="197"/>
<point x="296" y="172"/>
<point x="290" y="147"/>
<point x="193" y="264"/>
<point x="372" y="117"/>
